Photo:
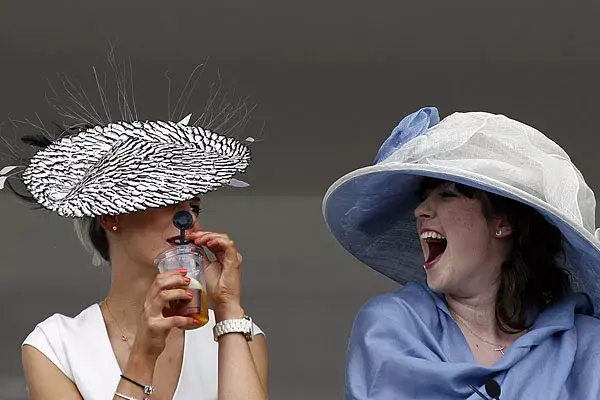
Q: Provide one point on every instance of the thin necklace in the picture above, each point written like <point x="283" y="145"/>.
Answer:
<point x="497" y="347"/>
<point x="124" y="338"/>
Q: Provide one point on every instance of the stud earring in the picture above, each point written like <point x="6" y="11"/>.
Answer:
<point x="114" y="228"/>
<point x="498" y="232"/>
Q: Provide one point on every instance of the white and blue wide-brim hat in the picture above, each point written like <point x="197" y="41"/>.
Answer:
<point x="370" y="211"/>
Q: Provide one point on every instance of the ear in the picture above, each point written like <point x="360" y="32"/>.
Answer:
<point x="501" y="228"/>
<point x="109" y="222"/>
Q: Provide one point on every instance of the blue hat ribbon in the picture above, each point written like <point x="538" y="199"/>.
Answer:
<point x="409" y="128"/>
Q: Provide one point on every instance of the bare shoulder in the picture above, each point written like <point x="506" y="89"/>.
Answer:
<point x="44" y="379"/>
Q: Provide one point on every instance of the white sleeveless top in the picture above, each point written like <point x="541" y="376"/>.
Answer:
<point x="81" y="349"/>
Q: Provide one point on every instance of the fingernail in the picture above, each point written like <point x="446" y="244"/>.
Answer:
<point x="187" y="279"/>
<point x="190" y="294"/>
<point x="182" y="271"/>
<point x="196" y="322"/>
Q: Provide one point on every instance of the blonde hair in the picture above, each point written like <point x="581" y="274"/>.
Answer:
<point x="85" y="228"/>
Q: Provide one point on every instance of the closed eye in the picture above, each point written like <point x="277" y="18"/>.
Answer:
<point x="448" y="194"/>
<point x="196" y="209"/>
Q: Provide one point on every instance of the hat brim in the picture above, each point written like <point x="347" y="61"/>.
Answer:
<point x="129" y="167"/>
<point x="370" y="212"/>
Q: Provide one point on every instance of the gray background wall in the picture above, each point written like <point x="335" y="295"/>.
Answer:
<point x="331" y="78"/>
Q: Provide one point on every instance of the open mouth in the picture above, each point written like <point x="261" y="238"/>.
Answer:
<point x="436" y="246"/>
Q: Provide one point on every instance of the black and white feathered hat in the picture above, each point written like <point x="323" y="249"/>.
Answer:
<point x="125" y="167"/>
<point x="99" y="165"/>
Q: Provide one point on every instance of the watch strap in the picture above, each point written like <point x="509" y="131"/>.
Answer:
<point x="243" y="325"/>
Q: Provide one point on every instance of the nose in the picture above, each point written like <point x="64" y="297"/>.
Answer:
<point x="197" y="226"/>
<point x="425" y="209"/>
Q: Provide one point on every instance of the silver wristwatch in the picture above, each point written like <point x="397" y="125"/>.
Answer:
<point x="242" y="325"/>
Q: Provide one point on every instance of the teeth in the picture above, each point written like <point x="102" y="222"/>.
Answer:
<point x="432" y="235"/>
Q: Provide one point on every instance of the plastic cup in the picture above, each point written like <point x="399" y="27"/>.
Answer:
<point x="193" y="258"/>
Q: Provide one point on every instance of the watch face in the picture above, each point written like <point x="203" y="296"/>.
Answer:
<point x="250" y="334"/>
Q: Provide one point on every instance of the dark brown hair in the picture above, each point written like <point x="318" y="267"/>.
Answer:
<point x="531" y="278"/>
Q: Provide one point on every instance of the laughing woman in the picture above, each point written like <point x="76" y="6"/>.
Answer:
<point x="123" y="183"/>
<point x="490" y="228"/>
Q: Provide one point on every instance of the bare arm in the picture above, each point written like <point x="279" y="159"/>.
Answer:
<point x="44" y="379"/>
<point x="243" y="366"/>
<point x="241" y="375"/>
<point x="260" y="356"/>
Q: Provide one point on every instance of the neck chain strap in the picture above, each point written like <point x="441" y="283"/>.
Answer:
<point x="497" y="347"/>
<point x="124" y="337"/>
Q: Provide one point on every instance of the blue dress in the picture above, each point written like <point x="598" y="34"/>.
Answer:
<point x="405" y="345"/>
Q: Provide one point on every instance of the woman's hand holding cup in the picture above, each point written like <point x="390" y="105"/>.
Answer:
<point x="157" y="318"/>
<point x="223" y="274"/>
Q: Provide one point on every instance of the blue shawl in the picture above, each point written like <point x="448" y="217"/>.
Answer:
<point x="405" y="345"/>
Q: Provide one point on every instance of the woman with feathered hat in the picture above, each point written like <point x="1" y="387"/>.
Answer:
<point x="490" y="228"/>
<point x="122" y="182"/>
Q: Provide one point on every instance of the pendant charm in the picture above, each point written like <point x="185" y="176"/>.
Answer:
<point x="123" y="338"/>
<point x="500" y="349"/>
